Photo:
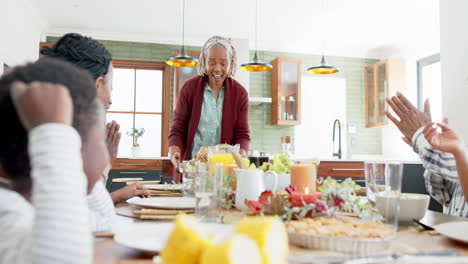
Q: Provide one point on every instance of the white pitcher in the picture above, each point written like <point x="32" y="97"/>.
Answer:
<point x="251" y="183"/>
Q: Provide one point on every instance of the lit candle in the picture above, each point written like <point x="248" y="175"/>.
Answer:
<point x="298" y="198"/>
<point x="304" y="176"/>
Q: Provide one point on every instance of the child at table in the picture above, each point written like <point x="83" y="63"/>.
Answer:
<point x="52" y="153"/>
<point x="90" y="55"/>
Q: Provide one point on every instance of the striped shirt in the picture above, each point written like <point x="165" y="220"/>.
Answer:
<point x="55" y="227"/>
<point x="441" y="176"/>
<point x="101" y="208"/>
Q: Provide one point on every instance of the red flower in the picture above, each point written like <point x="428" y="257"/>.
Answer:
<point x="338" y="202"/>
<point x="291" y="188"/>
<point x="254" y="206"/>
<point x="264" y="198"/>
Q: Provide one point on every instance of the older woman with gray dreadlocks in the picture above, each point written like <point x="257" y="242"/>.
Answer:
<point x="212" y="107"/>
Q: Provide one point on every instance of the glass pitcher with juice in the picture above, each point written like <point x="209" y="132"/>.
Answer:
<point x="222" y="153"/>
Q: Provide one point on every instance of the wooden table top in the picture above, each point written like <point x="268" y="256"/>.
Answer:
<point x="108" y="251"/>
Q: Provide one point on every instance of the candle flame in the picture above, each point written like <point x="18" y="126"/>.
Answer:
<point x="306" y="191"/>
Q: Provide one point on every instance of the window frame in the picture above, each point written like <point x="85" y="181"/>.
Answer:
<point x="146" y="65"/>
<point x="420" y="64"/>
<point x="149" y="65"/>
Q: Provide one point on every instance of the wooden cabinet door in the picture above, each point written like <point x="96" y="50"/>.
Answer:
<point x="381" y="92"/>
<point x="286" y="92"/>
<point x="370" y="95"/>
<point x="382" y="79"/>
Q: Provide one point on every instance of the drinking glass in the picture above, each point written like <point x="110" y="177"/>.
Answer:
<point x="383" y="184"/>
<point x="188" y="170"/>
<point x="208" y="191"/>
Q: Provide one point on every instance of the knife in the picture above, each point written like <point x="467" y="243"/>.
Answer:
<point x="342" y="259"/>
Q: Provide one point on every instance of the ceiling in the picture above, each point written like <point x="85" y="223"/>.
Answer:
<point x="357" y="28"/>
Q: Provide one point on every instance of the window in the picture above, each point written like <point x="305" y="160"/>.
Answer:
<point x="3" y="68"/>
<point x="140" y="99"/>
<point x="429" y="85"/>
<point x="322" y="100"/>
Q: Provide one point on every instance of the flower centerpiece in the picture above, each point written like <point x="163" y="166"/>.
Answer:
<point x="335" y="198"/>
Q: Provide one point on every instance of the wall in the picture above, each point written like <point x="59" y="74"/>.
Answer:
<point x="454" y="63"/>
<point x="393" y="146"/>
<point x="266" y="137"/>
<point x="365" y="141"/>
<point x="21" y="31"/>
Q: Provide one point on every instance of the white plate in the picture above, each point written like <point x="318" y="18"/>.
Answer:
<point x="454" y="230"/>
<point x="164" y="202"/>
<point x="165" y="187"/>
<point x="153" y="238"/>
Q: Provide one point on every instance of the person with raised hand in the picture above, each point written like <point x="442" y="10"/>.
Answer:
<point x="90" y="55"/>
<point x="52" y="155"/>
<point x="450" y="141"/>
<point x="442" y="179"/>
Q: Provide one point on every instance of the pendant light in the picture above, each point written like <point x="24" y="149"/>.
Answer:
<point x="323" y="68"/>
<point x="256" y="65"/>
<point x="182" y="60"/>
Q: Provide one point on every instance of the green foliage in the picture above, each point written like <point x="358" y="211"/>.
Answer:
<point x="281" y="163"/>
<point x="342" y="197"/>
<point x="136" y="133"/>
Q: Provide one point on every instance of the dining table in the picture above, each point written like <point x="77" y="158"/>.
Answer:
<point x="408" y="239"/>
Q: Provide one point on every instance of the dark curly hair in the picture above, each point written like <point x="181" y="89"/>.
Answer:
<point x="84" y="52"/>
<point x="14" y="158"/>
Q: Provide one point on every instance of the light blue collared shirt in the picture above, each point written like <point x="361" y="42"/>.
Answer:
<point x="209" y="127"/>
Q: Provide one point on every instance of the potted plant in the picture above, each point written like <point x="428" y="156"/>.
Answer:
<point x="136" y="133"/>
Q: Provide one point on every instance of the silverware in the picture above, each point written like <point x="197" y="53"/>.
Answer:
<point x="426" y="227"/>
<point x="342" y="259"/>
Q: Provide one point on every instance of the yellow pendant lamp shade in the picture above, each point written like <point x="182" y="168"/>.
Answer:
<point x="323" y="68"/>
<point x="256" y="65"/>
<point x="182" y="60"/>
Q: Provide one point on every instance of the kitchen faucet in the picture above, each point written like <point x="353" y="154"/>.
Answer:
<point x="339" y="139"/>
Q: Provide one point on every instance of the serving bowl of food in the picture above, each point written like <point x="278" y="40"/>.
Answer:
<point x="413" y="206"/>
<point x="345" y="236"/>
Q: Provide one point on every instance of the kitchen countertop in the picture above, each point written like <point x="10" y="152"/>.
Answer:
<point x="155" y="158"/>
<point x="364" y="160"/>
<point x="358" y="159"/>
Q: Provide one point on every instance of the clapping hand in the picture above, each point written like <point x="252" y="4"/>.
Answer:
<point x="113" y="138"/>
<point x="411" y="118"/>
<point x="447" y="140"/>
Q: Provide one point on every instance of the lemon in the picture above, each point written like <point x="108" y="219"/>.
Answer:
<point x="270" y="235"/>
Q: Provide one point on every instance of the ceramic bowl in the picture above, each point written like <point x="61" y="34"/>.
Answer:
<point x="413" y="206"/>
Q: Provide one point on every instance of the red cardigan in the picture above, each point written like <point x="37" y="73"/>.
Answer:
<point x="235" y="120"/>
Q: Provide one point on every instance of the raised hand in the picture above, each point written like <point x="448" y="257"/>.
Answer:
<point x="411" y="118"/>
<point x="32" y="107"/>
<point x="447" y="140"/>
<point x="113" y="138"/>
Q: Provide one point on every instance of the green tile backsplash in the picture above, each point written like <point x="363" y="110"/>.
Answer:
<point x="265" y="136"/>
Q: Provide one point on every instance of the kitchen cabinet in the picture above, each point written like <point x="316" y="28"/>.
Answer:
<point x="286" y="91"/>
<point x="149" y="169"/>
<point x="340" y="170"/>
<point x="383" y="79"/>
<point x="412" y="182"/>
